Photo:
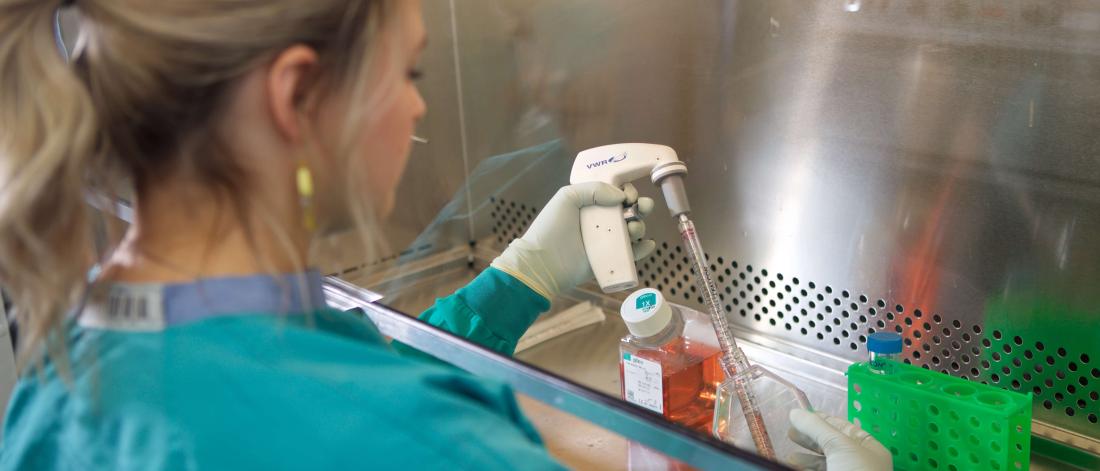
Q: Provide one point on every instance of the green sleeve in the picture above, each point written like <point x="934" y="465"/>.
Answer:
<point x="493" y="311"/>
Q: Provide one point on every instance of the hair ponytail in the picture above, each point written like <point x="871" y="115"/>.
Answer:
<point x="48" y="131"/>
<point x="139" y="104"/>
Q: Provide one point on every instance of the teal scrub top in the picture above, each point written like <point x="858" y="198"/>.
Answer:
<point x="263" y="391"/>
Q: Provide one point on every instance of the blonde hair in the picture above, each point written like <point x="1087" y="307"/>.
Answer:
<point x="145" y="79"/>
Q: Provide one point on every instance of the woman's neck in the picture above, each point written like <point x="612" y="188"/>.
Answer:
<point x="181" y="233"/>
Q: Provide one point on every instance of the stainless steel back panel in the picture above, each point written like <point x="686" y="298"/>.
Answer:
<point x="928" y="167"/>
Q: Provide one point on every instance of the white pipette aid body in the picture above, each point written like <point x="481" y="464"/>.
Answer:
<point x="603" y="229"/>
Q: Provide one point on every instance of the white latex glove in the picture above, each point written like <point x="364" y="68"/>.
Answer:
<point x="550" y="257"/>
<point x="846" y="447"/>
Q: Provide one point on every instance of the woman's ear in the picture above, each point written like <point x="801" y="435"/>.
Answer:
<point x="288" y="79"/>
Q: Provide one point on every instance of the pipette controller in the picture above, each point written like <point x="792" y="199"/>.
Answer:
<point x="607" y="244"/>
<point x="603" y="228"/>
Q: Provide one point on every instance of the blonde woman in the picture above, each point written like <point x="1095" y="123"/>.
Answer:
<point x="247" y="129"/>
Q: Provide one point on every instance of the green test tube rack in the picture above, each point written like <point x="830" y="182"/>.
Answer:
<point x="933" y="421"/>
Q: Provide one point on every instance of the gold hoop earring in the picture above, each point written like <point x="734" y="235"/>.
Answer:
<point x="305" y="196"/>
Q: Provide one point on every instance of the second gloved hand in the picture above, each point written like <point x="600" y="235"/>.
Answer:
<point x="846" y="447"/>
<point x="550" y="257"/>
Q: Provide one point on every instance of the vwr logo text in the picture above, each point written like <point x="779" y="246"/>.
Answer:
<point x="611" y="160"/>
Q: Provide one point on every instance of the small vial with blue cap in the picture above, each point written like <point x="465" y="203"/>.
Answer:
<point x="883" y="347"/>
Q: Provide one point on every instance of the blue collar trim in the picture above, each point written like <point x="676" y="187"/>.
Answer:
<point x="155" y="306"/>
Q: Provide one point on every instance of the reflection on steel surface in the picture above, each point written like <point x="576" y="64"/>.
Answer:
<point x="932" y="157"/>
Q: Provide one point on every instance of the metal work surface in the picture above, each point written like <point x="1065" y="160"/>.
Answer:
<point x="854" y="166"/>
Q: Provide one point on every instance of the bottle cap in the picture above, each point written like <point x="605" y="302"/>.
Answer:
<point x="884" y="343"/>
<point x="646" y="312"/>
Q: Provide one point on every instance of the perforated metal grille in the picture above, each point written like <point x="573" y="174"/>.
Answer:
<point x="838" y="320"/>
<point x="510" y="219"/>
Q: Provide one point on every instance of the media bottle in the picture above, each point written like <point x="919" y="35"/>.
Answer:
<point x="669" y="363"/>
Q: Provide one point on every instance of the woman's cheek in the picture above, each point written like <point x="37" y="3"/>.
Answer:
<point x="387" y="148"/>
<point x="383" y="168"/>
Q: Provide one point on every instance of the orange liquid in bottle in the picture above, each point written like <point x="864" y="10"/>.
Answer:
<point x="689" y="390"/>
<point x="690" y="374"/>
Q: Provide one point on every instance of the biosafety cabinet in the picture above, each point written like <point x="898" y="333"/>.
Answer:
<point x="926" y="167"/>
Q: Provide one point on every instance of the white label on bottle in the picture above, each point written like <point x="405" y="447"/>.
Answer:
<point x="642" y="382"/>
